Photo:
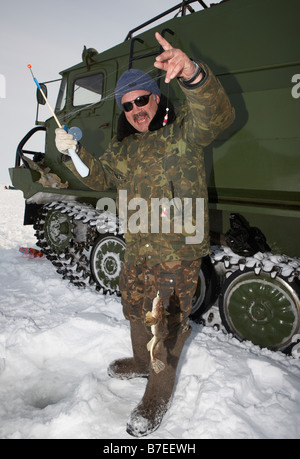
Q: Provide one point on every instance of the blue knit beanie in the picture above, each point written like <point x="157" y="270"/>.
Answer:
<point x="132" y="80"/>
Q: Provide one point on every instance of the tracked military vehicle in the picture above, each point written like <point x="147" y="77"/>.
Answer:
<point x="249" y="284"/>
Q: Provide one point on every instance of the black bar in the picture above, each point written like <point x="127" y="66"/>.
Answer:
<point x="174" y="8"/>
<point x="20" y="151"/>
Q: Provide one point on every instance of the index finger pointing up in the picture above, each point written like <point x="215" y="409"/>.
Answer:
<point x="163" y="42"/>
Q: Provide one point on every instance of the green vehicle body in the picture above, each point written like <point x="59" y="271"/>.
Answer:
<point x="253" y="168"/>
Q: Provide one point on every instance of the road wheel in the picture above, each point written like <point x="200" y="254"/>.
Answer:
<point x="207" y="290"/>
<point x="58" y="230"/>
<point x="261" y="308"/>
<point x="106" y="259"/>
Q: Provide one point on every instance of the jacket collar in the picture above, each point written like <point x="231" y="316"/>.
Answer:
<point x="125" y="129"/>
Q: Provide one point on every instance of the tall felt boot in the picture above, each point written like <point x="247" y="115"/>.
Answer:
<point x="138" y="365"/>
<point x="147" y="416"/>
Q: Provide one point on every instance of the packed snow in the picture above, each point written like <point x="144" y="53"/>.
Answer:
<point x="56" y="342"/>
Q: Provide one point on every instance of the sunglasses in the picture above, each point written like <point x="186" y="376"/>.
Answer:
<point x="140" y="101"/>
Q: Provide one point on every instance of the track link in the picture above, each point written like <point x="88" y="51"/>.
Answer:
<point x="84" y="225"/>
<point x="227" y="262"/>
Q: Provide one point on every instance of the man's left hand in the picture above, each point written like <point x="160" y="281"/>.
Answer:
<point x="174" y="62"/>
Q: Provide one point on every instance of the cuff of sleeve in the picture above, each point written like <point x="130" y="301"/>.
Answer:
<point x="192" y="85"/>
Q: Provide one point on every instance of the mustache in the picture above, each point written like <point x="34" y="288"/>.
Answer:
<point x="144" y="113"/>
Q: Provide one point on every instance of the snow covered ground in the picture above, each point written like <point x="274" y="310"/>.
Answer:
<point x="56" y="342"/>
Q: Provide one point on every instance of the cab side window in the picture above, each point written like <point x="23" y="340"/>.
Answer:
<point x="88" y="90"/>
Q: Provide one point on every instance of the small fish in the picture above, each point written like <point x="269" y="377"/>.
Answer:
<point x="156" y="320"/>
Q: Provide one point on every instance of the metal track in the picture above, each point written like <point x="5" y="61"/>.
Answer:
<point x="228" y="262"/>
<point x="87" y="223"/>
<point x="83" y="224"/>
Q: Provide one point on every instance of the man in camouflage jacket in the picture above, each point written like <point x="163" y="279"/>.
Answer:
<point x="159" y="159"/>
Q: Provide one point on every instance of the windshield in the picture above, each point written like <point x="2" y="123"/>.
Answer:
<point x="62" y="95"/>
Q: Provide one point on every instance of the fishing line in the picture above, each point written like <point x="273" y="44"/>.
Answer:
<point x="82" y="169"/>
<point x="110" y="95"/>
<point x="69" y="115"/>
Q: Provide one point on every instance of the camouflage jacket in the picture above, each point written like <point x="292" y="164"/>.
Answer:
<point x="165" y="166"/>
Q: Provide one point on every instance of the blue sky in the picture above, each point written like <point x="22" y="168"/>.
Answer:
<point x="50" y="36"/>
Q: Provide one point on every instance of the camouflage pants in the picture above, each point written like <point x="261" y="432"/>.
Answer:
<point x="176" y="282"/>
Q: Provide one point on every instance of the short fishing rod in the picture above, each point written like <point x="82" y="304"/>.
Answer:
<point x="82" y="169"/>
